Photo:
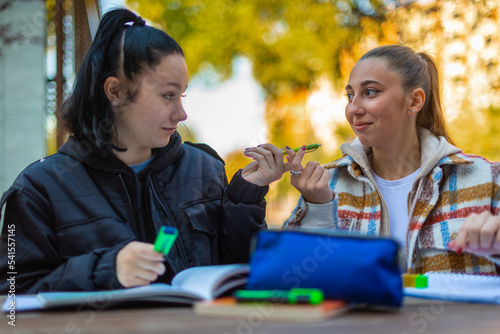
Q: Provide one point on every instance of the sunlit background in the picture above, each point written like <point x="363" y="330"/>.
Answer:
<point x="274" y="70"/>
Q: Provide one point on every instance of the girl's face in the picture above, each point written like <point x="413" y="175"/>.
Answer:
<point x="378" y="109"/>
<point x="150" y="120"/>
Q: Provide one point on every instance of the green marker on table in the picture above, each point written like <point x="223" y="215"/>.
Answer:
<point x="292" y="296"/>
<point x="165" y="239"/>
<point x="309" y="148"/>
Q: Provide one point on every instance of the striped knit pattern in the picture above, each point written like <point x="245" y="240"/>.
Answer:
<point x="456" y="187"/>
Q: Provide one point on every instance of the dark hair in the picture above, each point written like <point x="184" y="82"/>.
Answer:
<point x="417" y="70"/>
<point x="123" y="45"/>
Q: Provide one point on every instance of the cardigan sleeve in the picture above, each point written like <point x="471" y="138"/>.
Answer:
<point x="308" y="215"/>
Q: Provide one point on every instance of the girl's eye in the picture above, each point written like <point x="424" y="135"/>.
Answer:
<point x="348" y="96"/>
<point x="371" y="91"/>
<point x="171" y="96"/>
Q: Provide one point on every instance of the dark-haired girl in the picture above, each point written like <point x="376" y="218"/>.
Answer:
<point x="86" y="217"/>
<point x="402" y="176"/>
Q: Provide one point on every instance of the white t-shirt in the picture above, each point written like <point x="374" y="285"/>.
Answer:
<point x="395" y="195"/>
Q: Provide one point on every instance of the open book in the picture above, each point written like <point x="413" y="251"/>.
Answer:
<point x="188" y="286"/>
<point x="460" y="288"/>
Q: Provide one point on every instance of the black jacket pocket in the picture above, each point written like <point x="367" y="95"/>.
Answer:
<point x="205" y="219"/>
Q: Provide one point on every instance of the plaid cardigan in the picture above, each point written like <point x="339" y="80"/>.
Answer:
<point x="450" y="186"/>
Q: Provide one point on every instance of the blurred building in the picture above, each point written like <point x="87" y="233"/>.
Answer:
<point x="465" y="36"/>
<point x="22" y="89"/>
<point x="30" y="95"/>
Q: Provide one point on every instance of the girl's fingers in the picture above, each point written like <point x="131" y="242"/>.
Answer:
<point x="146" y="275"/>
<point x="262" y="161"/>
<point x="277" y="154"/>
<point x="286" y="167"/>
<point x="265" y="152"/>
<point x="479" y="234"/>
<point x="296" y="163"/>
<point x="144" y="251"/>
<point x="130" y="280"/>
<point x="489" y="232"/>
<point x="290" y="154"/>
<point x="325" y="177"/>
<point x="316" y="172"/>
<point x="461" y="241"/>
<point x="157" y="267"/>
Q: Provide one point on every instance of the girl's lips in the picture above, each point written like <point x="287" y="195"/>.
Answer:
<point x="359" y="126"/>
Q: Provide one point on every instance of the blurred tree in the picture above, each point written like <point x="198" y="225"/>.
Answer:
<point x="464" y="37"/>
<point x="478" y="132"/>
<point x="186" y="133"/>
<point x="289" y="42"/>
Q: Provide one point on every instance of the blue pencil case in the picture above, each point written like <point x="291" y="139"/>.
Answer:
<point x="345" y="267"/>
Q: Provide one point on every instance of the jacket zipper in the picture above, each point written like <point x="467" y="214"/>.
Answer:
<point x="138" y="230"/>
<point x="179" y="245"/>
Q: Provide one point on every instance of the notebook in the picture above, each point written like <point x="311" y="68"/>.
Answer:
<point x="459" y="288"/>
<point x="188" y="286"/>
<point x="228" y="307"/>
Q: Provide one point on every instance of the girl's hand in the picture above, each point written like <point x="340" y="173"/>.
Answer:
<point x="138" y="264"/>
<point x="267" y="167"/>
<point x="312" y="180"/>
<point x="479" y="234"/>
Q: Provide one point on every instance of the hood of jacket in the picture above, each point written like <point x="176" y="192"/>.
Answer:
<point x="93" y="158"/>
<point x="432" y="149"/>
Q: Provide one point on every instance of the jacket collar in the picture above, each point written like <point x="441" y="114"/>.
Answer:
<point x="93" y="158"/>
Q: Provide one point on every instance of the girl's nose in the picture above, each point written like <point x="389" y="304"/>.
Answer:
<point x="180" y="113"/>
<point x="354" y="107"/>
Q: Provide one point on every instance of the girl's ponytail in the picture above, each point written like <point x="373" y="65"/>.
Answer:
<point x="433" y="116"/>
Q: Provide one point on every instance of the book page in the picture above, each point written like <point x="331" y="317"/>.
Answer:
<point x="152" y="292"/>
<point x="459" y="287"/>
<point x="212" y="281"/>
<point x="21" y="303"/>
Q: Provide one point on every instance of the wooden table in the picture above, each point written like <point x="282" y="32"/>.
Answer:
<point x="417" y="316"/>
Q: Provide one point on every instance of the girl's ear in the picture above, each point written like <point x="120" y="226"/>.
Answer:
<point x="417" y="101"/>
<point x="112" y="90"/>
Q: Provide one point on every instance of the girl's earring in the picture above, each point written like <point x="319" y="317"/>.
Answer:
<point x="412" y="111"/>
<point x="115" y="103"/>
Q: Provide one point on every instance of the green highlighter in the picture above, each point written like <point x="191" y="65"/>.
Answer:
<point x="165" y="239"/>
<point x="292" y="296"/>
<point x="309" y="148"/>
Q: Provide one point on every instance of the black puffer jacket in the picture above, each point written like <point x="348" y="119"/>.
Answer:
<point x="71" y="213"/>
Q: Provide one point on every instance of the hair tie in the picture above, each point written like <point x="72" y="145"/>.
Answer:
<point x="138" y="21"/>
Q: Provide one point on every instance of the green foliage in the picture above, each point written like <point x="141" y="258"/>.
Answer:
<point x="476" y="132"/>
<point x="290" y="43"/>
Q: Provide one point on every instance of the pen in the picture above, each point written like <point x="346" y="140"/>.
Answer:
<point x="293" y="296"/>
<point x="309" y="148"/>
<point x="165" y="239"/>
